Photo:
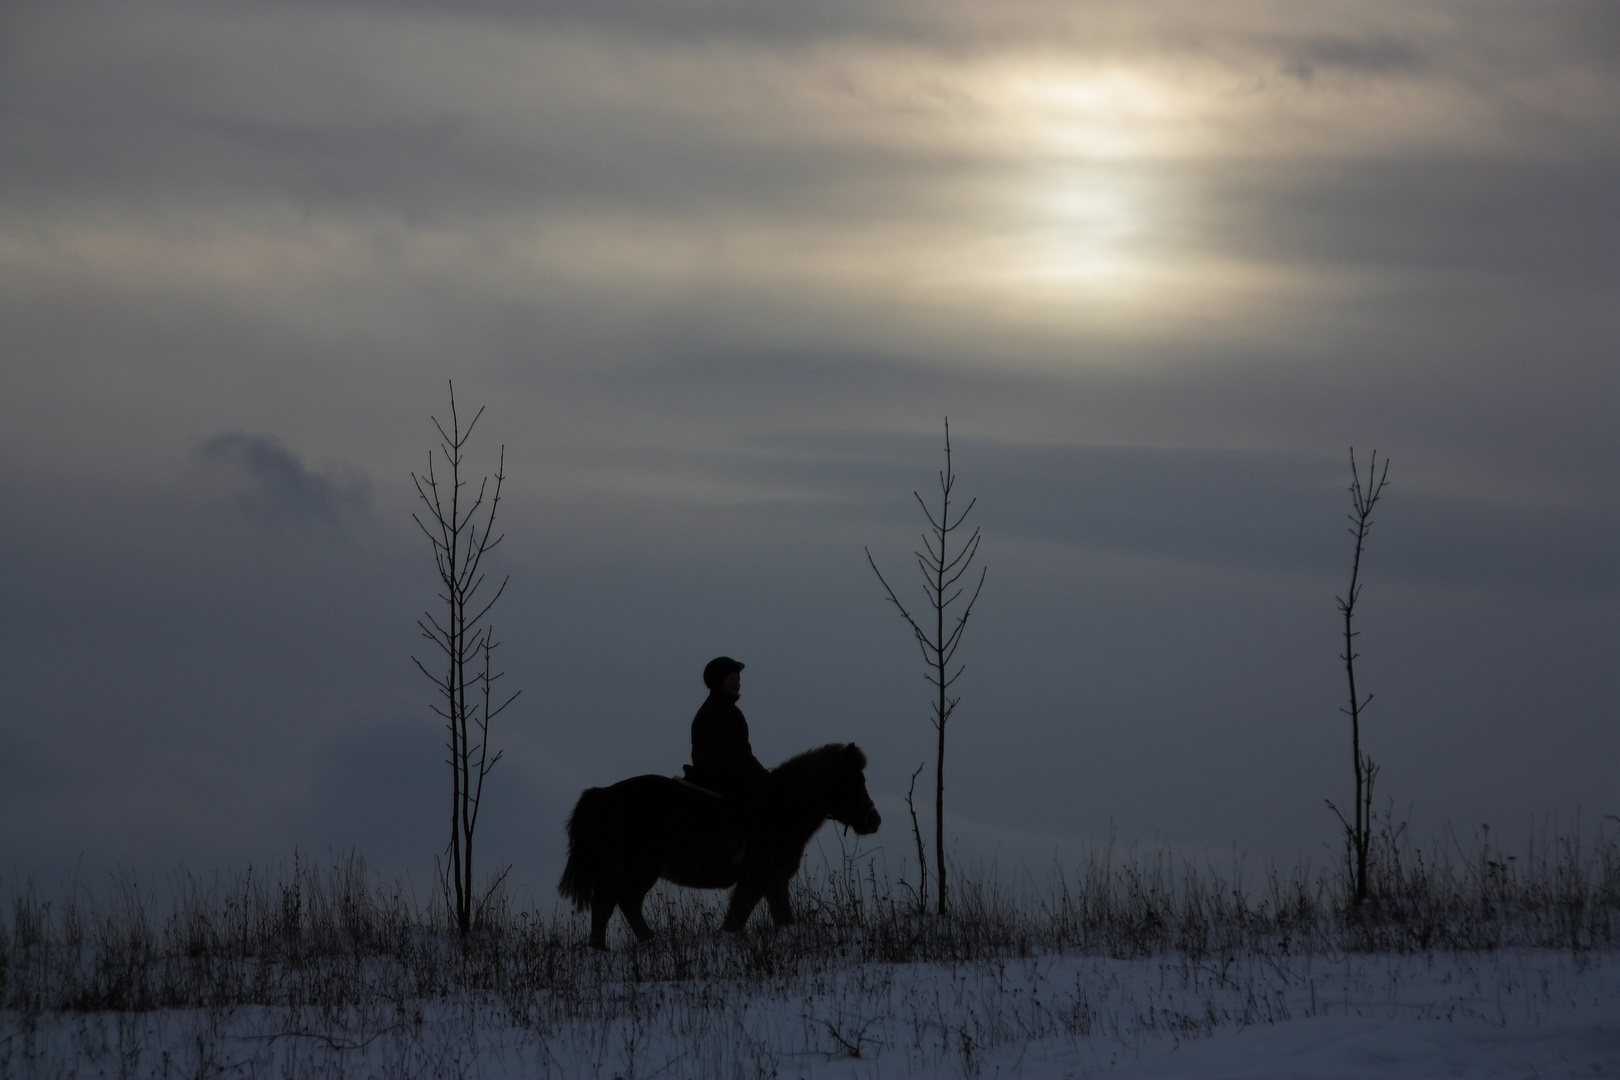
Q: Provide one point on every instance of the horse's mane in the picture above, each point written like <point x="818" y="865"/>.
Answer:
<point x="822" y="759"/>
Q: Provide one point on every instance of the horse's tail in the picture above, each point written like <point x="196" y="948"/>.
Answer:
<point x="586" y="845"/>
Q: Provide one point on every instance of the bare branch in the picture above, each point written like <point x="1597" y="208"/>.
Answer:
<point x="893" y="599"/>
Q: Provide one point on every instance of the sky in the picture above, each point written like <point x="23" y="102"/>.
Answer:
<point x="719" y="272"/>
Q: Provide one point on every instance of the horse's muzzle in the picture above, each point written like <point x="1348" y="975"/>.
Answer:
<point x="867" y="821"/>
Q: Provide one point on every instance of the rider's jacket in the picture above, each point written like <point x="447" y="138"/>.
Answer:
<point x="721" y="755"/>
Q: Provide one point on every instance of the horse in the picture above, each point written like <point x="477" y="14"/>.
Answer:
<point x="623" y="838"/>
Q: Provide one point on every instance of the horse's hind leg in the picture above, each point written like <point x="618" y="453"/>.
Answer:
<point x="630" y="898"/>
<point x="602" y="905"/>
<point x="632" y="913"/>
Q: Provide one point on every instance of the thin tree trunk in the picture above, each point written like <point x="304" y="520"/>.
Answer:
<point x="939" y="817"/>
<point x="1358" y="843"/>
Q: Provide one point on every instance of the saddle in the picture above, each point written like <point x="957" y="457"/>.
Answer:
<point x="687" y="781"/>
<point x="731" y="845"/>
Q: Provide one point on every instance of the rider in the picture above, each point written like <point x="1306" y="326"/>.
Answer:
<point x="722" y="759"/>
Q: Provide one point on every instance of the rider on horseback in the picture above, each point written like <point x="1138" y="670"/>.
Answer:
<point x="722" y="759"/>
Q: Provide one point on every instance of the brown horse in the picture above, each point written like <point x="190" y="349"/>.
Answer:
<point x="622" y="839"/>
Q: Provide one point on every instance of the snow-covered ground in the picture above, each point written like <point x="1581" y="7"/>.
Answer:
<point x="1146" y="968"/>
<point x="1510" y="1014"/>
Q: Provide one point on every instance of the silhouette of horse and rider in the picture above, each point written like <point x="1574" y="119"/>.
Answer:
<point x="728" y="823"/>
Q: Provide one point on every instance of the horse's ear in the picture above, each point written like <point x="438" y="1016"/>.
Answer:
<point x="854" y="754"/>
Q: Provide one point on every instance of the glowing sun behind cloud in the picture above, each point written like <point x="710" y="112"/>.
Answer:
<point x="1086" y="230"/>
<point x="1086" y="220"/>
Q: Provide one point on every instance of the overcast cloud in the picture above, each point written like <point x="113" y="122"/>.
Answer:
<point x="719" y="270"/>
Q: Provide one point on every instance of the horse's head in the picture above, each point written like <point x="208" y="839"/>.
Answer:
<point x="847" y="800"/>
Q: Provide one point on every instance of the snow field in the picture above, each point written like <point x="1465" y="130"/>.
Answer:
<point x="1516" y="1013"/>
<point x="1141" y="967"/>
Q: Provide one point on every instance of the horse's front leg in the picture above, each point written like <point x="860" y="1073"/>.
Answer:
<point x="776" y="895"/>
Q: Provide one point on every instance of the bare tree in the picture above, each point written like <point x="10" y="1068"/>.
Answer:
<point x="461" y="536"/>
<point x="1358" y="833"/>
<point x="941" y="572"/>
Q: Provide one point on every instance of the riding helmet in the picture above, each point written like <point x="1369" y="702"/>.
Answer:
<point x="716" y="670"/>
